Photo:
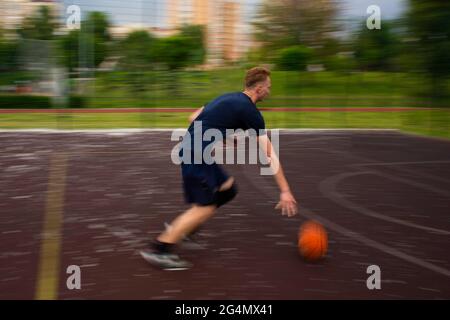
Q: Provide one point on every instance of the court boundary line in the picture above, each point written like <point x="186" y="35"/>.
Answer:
<point x="138" y="130"/>
<point x="47" y="281"/>
<point x="307" y="213"/>
<point x="328" y="187"/>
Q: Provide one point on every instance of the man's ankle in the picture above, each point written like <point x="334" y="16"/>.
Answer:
<point x="162" y="247"/>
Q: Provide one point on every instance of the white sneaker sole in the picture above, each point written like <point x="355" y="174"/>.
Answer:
<point x="145" y="256"/>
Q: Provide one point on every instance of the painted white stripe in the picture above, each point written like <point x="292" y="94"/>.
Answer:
<point x="262" y="187"/>
<point x="328" y="189"/>
<point x="373" y="244"/>
<point x="131" y="130"/>
<point x="400" y="163"/>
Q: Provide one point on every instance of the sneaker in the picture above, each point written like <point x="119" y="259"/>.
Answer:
<point x="191" y="244"/>
<point x="165" y="261"/>
<point x="188" y="242"/>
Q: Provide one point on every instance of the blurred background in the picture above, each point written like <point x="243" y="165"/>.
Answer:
<point x="332" y="65"/>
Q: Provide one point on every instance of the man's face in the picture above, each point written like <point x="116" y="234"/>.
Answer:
<point x="263" y="89"/>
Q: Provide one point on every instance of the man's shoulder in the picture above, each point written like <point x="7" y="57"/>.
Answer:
<point x="231" y="95"/>
<point x="236" y="99"/>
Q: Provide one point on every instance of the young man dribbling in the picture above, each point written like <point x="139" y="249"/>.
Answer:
<point x="206" y="185"/>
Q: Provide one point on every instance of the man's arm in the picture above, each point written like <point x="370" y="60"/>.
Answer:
<point x="194" y="115"/>
<point x="287" y="202"/>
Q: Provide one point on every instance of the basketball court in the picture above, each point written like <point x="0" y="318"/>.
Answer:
<point x="95" y="198"/>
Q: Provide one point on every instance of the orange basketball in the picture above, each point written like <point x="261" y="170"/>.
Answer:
<point x="312" y="241"/>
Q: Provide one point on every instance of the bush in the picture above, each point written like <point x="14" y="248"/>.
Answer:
<point x="77" y="102"/>
<point x="36" y="102"/>
<point x="339" y="63"/>
<point x="294" y="58"/>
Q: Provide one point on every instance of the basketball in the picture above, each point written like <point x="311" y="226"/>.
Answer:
<point x="312" y="241"/>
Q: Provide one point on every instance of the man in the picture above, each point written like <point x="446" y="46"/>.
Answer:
<point x="207" y="186"/>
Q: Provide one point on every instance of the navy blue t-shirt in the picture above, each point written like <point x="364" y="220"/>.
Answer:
<point x="229" y="111"/>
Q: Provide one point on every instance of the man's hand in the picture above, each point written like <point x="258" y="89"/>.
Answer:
<point x="287" y="204"/>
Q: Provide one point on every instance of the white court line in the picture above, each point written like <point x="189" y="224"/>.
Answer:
<point x="328" y="189"/>
<point x="307" y="213"/>
<point x="412" y="172"/>
<point x="372" y="243"/>
<point x="400" y="163"/>
<point x="269" y="196"/>
<point x="413" y="183"/>
<point x="89" y="131"/>
<point x="367" y="162"/>
<point x="131" y="130"/>
<point x="416" y="135"/>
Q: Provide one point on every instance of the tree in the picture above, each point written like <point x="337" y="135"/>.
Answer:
<point x="82" y="50"/>
<point x="138" y="54"/>
<point x="8" y="54"/>
<point x="137" y="50"/>
<point x="194" y="36"/>
<point x="95" y="34"/>
<point x="40" y="26"/>
<point x="294" y="58"/>
<point x="97" y="23"/>
<point x="174" y="52"/>
<point x="87" y="47"/>
<point x="284" y="23"/>
<point x="376" y="49"/>
<point x="429" y="25"/>
<point x="186" y="48"/>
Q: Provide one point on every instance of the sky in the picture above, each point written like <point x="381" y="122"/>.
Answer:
<point x="152" y="12"/>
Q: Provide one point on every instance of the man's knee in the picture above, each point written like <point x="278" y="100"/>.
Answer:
<point x="227" y="195"/>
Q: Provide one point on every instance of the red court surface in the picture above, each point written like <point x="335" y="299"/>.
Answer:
<point x="383" y="197"/>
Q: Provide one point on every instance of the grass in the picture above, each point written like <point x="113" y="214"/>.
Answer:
<point x="289" y="89"/>
<point x="119" y="89"/>
<point x="296" y="89"/>
<point x="435" y="123"/>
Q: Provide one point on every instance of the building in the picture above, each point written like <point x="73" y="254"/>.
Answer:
<point x="228" y="33"/>
<point x="121" y="31"/>
<point x="13" y="12"/>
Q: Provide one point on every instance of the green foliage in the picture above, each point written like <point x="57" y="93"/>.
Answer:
<point x="428" y="25"/>
<point x="282" y="24"/>
<point x="137" y="51"/>
<point x="293" y="58"/>
<point x="141" y="51"/>
<point x="184" y="49"/>
<point x="194" y="40"/>
<point x="36" y="102"/>
<point x="87" y="47"/>
<point x="8" y="54"/>
<point x="82" y="50"/>
<point x="41" y="25"/>
<point x="97" y="23"/>
<point x="340" y="63"/>
<point x="173" y="52"/>
<point x="376" y="49"/>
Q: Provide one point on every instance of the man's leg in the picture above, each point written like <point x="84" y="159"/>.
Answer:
<point x="185" y="223"/>
<point x="188" y="223"/>
<point x="181" y="226"/>
<point x="161" y="255"/>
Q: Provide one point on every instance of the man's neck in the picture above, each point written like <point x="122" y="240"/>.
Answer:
<point x="251" y="95"/>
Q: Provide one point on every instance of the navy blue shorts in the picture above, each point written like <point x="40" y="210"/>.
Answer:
<point x="201" y="182"/>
